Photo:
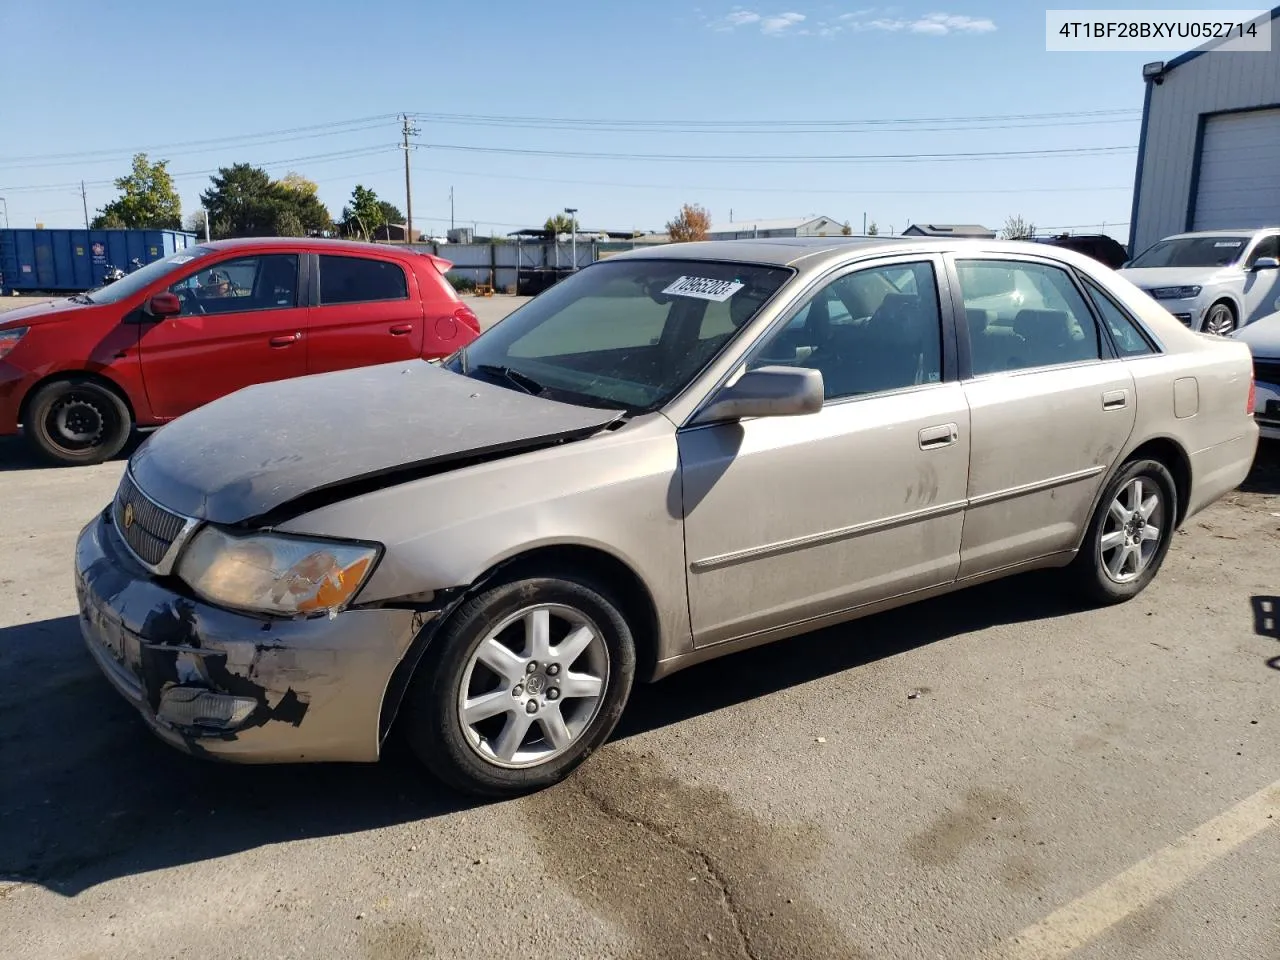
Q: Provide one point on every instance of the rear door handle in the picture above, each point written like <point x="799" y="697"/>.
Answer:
<point x="1115" y="400"/>
<point x="285" y="339"/>
<point x="944" y="435"/>
<point x="400" y="329"/>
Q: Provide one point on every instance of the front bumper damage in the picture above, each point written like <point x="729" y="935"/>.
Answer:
<point x="216" y="683"/>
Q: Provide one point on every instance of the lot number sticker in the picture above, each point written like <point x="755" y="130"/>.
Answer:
<point x="704" y="288"/>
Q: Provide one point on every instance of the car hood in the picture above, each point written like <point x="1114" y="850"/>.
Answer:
<point x="43" y="312"/>
<point x="1148" y="277"/>
<point x="1262" y="336"/>
<point x="275" y="450"/>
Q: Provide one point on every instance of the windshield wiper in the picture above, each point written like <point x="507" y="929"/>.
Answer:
<point x="514" y="377"/>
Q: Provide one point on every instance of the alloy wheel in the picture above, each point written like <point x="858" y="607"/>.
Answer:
<point x="1219" y="322"/>
<point x="533" y="685"/>
<point x="1133" y="530"/>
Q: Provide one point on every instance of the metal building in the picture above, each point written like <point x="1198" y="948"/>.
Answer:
<point x="790" y="227"/>
<point x="1209" y="151"/>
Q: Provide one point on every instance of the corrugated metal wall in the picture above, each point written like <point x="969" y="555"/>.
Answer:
<point x="1210" y="83"/>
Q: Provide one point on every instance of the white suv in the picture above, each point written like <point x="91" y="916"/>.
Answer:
<point x="1214" y="281"/>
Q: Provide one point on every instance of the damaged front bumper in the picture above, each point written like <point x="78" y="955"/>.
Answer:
<point x="214" y="682"/>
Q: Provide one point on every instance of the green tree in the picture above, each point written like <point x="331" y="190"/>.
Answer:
<point x="873" y="230"/>
<point x="560" y="223"/>
<point x="244" y="201"/>
<point x="363" y="215"/>
<point x="148" y="200"/>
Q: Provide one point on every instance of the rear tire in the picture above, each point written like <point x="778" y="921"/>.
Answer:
<point x="1129" y="534"/>
<point x="76" y="422"/>
<point x="521" y="685"/>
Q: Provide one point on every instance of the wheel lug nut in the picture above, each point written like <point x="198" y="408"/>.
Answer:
<point x="553" y="669"/>
<point x="553" y="694"/>
<point x="517" y="689"/>
<point x="531" y="706"/>
<point x="533" y="665"/>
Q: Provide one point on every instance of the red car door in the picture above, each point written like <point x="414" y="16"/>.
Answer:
<point x="369" y="311"/>
<point x="241" y="324"/>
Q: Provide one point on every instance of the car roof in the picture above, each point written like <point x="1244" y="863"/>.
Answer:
<point x="811" y="251"/>
<point x="312" y="243"/>
<point x="1247" y="231"/>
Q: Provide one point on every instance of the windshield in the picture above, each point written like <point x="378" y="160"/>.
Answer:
<point x="140" y="279"/>
<point x="622" y="334"/>
<point x="1193" y="252"/>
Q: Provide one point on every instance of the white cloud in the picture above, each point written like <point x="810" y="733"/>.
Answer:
<point x="770" y="24"/>
<point x="882" y="19"/>
<point x="780" y="23"/>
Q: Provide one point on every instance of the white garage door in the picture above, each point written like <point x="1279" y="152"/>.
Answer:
<point x="1239" y="171"/>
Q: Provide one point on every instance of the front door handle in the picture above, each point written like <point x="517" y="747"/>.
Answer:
<point x="285" y="339"/>
<point x="1115" y="400"/>
<point x="944" y="435"/>
<point x="400" y="329"/>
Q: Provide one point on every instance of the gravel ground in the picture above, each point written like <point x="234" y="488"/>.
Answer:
<point x="922" y="784"/>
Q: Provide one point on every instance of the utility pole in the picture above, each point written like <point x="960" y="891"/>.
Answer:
<point x="84" y="200"/>
<point x="407" y="129"/>
<point x="864" y="223"/>
<point x="451" y="227"/>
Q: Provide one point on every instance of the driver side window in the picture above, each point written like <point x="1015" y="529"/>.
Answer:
<point x="867" y="332"/>
<point x="266" y="282"/>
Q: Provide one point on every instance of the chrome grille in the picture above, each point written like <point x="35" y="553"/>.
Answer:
<point x="147" y="528"/>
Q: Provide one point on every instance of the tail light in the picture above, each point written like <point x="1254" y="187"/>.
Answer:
<point x="1253" y="395"/>
<point x="467" y="317"/>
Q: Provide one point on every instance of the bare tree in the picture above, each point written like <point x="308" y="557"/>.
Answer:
<point x="873" y="230"/>
<point x="692" y="224"/>
<point x="1016" y="228"/>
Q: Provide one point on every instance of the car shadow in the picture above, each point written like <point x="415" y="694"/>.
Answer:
<point x="1266" y="622"/>
<point x="1264" y="476"/>
<point x="16" y="455"/>
<point x="91" y="795"/>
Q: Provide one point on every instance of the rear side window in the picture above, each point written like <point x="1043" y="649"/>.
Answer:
<point x="360" y="280"/>
<point x="1129" y="338"/>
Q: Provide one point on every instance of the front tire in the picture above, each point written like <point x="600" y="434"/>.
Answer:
<point x="1129" y="534"/>
<point x="522" y="684"/>
<point x="76" y="422"/>
<point x="1220" y="320"/>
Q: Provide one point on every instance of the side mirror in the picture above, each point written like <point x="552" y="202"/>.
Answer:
<point x="1266" y="263"/>
<point x="163" y="305"/>
<point x="767" y="392"/>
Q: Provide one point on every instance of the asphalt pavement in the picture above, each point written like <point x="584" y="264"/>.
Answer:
<point x="993" y="774"/>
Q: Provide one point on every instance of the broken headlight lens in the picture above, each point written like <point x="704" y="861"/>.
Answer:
<point x="275" y="574"/>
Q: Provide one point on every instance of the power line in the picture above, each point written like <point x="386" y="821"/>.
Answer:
<point x="787" y="190"/>
<point x="274" y="136"/>
<point x="767" y="124"/>
<point x="794" y="158"/>
<point x="315" y="158"/>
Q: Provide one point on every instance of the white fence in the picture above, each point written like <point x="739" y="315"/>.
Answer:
<point x="500" y="263"/>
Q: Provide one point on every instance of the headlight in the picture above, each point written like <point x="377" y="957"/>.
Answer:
<point x="269" y="573"/>
<point x="9" y="339"/>
<point x="1175" y="293"/>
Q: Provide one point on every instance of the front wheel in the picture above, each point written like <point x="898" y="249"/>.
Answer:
<point x="1129" y="534"/>
<point x="77" y="421"/>
<point x="1220" y="320"/>
<point x="522" y="684"/>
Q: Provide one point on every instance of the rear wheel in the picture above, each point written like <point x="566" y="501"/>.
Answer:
<point x="1220" y="320"/>
<point x="77" y="421"/>
<point x="1129" y="534"/>
<point x="522" y="684"/>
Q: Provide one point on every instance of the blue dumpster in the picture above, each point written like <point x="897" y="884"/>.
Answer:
<point x="70" y="261"/>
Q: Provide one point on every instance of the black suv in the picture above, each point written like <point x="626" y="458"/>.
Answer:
<point x="1102" y="248"/>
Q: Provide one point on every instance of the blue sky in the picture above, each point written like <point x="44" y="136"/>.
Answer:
<point x="86" y="85"/>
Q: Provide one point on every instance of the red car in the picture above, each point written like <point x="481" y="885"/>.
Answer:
<point x="80" y="374"/>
